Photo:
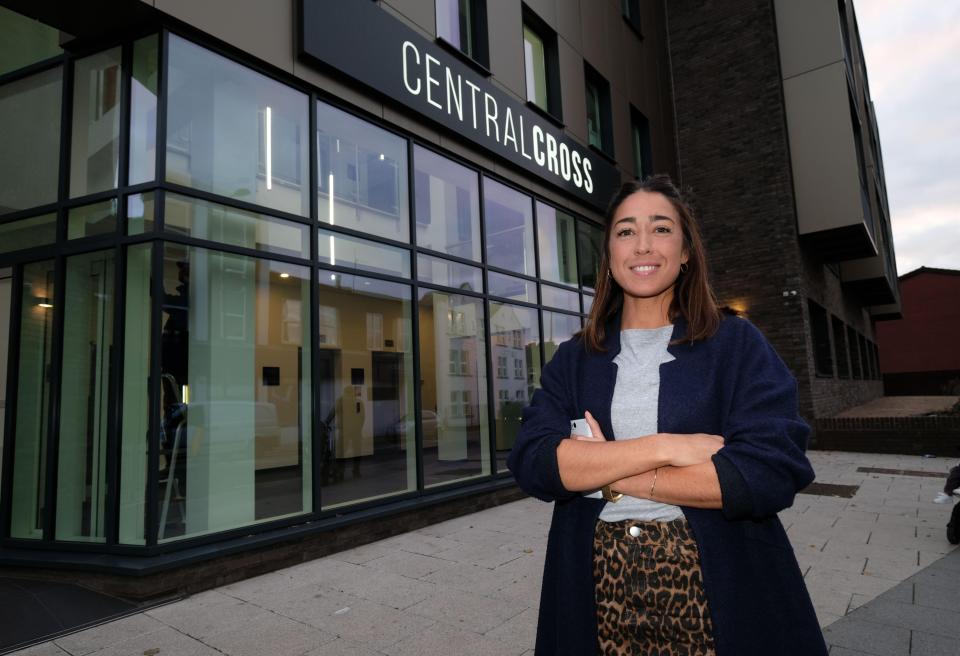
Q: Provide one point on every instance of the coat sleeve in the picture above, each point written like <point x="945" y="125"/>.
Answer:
<point x="545" y="423"/>
<point x="762" y="464"/>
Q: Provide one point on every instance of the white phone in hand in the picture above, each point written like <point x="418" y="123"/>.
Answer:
<point x="580" y="427"/>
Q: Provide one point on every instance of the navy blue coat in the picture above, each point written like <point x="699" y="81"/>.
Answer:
<point x="735" y="385"/>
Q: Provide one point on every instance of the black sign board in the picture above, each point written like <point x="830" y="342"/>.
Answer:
<point x="364" y="42"/>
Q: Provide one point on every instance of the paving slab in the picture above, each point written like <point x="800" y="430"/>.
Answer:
<point x="883" y="579"/>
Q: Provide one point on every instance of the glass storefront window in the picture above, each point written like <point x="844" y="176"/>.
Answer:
<point x="516" y="289"/>
<point x="143" y="110"/>
<point x="135" y="427"/>
<point x="28" y="233"/>
<point x="508" y="217"/>
<point x="6" y="298"/>
<point x="562" y="299"/>
<point x="447" y="199"/>
<point x="25" y="41"/>
<point x="95" y="146"/>
<point x="226" y="225"/>
<point x="362" y="175"/>
<point x="453" y="394"/>
<point x="89" y="220"/>
<point x="589" y="247"/>
<point x="557" y="328"/>
<point x="234" y="132"/>
<point x="587" y="303"/>
<point x="449" y="274"/>
<point x="140" y="213"/>
<point x="84" y="393"/>
<point x="28" y="502"/>
<point x="515" y="347"/>
<point x="30" y="165"/>
<point x="366" y="389"/>
<point x="341" y="250"/>
<point x="556" y="238"/>
<point x="235" y="385"/>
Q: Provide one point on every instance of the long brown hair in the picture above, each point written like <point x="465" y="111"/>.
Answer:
<point x="693" y="298"/>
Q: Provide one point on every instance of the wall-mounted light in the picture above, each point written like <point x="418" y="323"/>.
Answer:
<point x="284" y="275"/>
<point x="44" y="302"/>
<point x="186" y="394"/>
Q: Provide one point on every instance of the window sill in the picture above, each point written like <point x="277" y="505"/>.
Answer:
<point x="633" y="27"/>
<point x="556" y="120"/>
<point x="604" y="154"/>
<point x="478" y="66"/>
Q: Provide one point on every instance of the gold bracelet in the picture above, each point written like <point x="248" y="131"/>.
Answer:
<point x="610" y="495"/>
<point x="654" y="484"/>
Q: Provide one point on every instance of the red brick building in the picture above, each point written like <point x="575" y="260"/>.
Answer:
<point x="920" y="353"/>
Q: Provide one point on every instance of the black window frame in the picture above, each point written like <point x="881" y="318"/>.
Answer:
<point x="640" y="130"/>
<point x="840" y="348"/>
<point x="820" y="340"/>
<point x="592" y="78"/>
<point x="551" y="65"/>
<point x="479" y="57"/>
<point x="630" y="9"/>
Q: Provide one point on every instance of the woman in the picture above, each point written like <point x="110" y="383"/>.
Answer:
<point x="696" y="446"/>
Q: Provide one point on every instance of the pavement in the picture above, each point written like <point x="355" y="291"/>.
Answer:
<point x="872" y="546"/>
<point x="902" y="406"/>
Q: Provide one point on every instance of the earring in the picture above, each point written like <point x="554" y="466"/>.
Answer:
<point x="684" y="267"/>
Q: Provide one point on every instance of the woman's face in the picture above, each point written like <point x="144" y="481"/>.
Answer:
<point x="646" y="247"/>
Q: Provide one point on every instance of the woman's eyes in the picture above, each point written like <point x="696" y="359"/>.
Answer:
<point x="624" y="232"/>
<point x="663" y="230"/>
<point x="628" y="232"/>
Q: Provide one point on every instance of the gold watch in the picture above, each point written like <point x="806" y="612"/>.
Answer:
<point x="610" y="495"/>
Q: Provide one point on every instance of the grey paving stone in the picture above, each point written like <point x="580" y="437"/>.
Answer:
<point x="164" y="642"/>
<point x="938" y="596"/>
<point x="519" y="630"/>
<point x="269" y="633"/>
<point x="909" y="616"/>
<point x="405" y="563"/>
<point x="342" y="647"/>
<point x="843" y="651"/>
<point x="870" y="637"/>
<point x="443" y="640"/>
<point x="925" y="644"/>
<point x="104" y="635"/>
<point x="205" y="614"/>
<point x="471" y="611"/>
<point x="43" y="649"/>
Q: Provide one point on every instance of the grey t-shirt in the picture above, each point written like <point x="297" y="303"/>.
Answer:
<point x="633" y="412"/>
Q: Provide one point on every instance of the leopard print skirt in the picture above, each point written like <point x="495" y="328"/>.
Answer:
<point x="649" y="590"/>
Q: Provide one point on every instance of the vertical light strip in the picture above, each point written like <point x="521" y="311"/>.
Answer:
<point x="333" y="254"/>
<point x="268" y="132"/>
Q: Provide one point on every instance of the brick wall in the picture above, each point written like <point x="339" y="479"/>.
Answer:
<point x="939" y="436"/>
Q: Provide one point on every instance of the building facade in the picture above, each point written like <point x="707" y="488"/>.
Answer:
<point x="272" y="276"/>
<point x="919" y="353"/>
<point x="778" y="141"/>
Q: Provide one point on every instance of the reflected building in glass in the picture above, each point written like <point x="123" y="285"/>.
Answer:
<point x="254" y="292"/>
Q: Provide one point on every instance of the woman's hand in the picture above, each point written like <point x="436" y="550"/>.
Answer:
<point x="596" y="434"/>
<point x="686" y="449"/>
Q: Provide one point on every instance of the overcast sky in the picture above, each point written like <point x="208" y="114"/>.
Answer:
<point x="912" y="48"/>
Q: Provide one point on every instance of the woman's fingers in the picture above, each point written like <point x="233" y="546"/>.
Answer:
<point x="596" y="433"/>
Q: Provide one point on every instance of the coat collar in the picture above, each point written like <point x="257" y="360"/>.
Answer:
<point x="611" y="341"/>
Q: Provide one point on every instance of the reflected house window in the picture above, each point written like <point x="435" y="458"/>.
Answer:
<point x="508" y="217"/>
<point x="30" y="116"/>
<point x="25" y="41"/>
<point x="28" y="233"/>
<point x="234" y="132"/>
<point x="447" y="205"/>
<point x="514" y="338"/>
<point x="235" y="387"/>
<point x="362" y="175"/>
<point x="95" y="146"/>
<point x="143" y="109"/>
<point x="557" y="328"/>
<point x="366" y="408"/>
<point x="454" y="405"/>
<point x="463" y="24"/>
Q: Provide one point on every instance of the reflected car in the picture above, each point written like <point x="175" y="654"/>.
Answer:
<point x="431" y="427"/>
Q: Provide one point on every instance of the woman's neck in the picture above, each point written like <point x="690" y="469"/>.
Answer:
<point x="646" y="312"/>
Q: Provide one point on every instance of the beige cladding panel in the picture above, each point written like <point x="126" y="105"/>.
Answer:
<point x="866" y="268"/>
<point x="264" y="29"/>
<point x="573" y="91"/>
<point x="421" y="13"/>
<point x="809" y="35"/>
<point x="822" y="150"/>
<point x="505" y="29"/>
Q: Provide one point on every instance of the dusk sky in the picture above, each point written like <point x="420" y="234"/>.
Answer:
<point x="912" y="49"/>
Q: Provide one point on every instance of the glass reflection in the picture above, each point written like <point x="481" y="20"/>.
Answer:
<point x="345" y="251"/>
<point x="449" y="274"/>
<point x="90" y="220"/>
<point x="28" y="233"/>
<point x="143" y="110"/>
<point x="515" y="347"/>
<point x="589" y="244"/>
<point x="234" y="132"/>
<point x="28" y="501"/>
<point x="366" y="389"/>
<point x="557" y="328"/>
<point x="235" y="390"/>
<point x="508" y="218"/>
<point x="84" y="389"/>
<point x="362" y="175"/>
<point x="556" y="237"/>
<point x="95" y="145"/>
<point x="447" y="199"/>
<point x="454" y="388"/>
<point x="30" y="165"/>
